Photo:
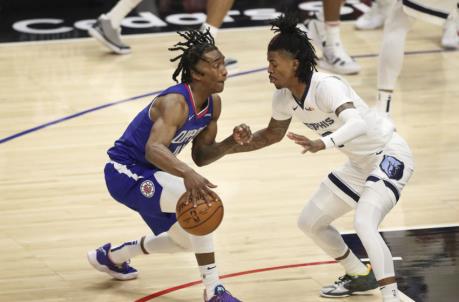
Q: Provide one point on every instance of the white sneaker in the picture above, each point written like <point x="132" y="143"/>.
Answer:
<point x="336" y="60"/>
<point x="374" y="18"/>
<point x="450" y="39"/>
<point x="316" y="32"/>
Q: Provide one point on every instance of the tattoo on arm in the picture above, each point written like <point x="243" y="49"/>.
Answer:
<point x="265" y="137"/>
<point x="205" y="153"/>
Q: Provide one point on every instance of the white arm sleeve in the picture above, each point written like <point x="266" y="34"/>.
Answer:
<point x="354" y="126"/>
<point x="331" y="94"/>
<point x="280" y="106"/>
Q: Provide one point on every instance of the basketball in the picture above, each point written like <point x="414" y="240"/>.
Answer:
<point x="202" y="219"/>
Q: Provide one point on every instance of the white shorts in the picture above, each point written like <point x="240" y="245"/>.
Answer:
<point x="433" y="11"/>
<point x="394" y="166"/>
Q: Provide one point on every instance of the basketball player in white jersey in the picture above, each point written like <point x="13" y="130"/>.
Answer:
<point x="380" y="161"/>
<point x="398" y="23"/>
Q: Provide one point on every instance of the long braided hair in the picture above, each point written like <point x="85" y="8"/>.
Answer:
<point x="195" y="45"/>
<point x="296" y="42"/>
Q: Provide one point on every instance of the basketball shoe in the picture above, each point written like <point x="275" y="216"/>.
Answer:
<point x="374" y="18"/>
<point x="334" y="57"/>
<point x="110" y="37"/>
<point x="100" y="261"/>
<point x="348" y="285"/>
<point x="221" y="295"/>
<point x="450" y="39"/>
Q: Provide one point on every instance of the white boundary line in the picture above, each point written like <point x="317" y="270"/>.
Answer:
<point x="408" y="228"/>
<point x="393" y="258"/>
<point x="127" y="37"/>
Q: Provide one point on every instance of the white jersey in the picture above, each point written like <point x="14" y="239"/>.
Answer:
<point x="325" y="94"/>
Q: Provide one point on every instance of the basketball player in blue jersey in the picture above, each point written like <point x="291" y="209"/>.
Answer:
<point x="144" y="173"/>
<point x="380" y="161"/>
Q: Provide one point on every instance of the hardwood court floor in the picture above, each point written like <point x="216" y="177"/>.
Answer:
<point x="54" y="205"/>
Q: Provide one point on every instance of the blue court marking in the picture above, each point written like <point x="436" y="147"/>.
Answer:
<point x="134" y="98"/>
<point x="69" y="117"/>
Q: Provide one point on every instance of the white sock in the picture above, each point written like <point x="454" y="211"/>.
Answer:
<point x="384" y="101"/>
<point x="332" y="34"/>
<point x="212" y="29"/>
<point x="161" y="244"/>
<point x="151" y="245"/>
<point x="390" y="293"/>
<point x="209" y="276"/>
<point x="121" y="10"/>
<point x="125" y="251"/>
<point x="353" y="266"/>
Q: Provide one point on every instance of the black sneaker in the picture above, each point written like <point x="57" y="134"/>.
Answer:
<point x="348" y="285"/>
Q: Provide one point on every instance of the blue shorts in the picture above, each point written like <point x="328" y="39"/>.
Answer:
<point x="136" y="187"/>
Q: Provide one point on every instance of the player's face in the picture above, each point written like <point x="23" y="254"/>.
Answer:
<point x="281" y="68"/>
<point x="212" y="71"/>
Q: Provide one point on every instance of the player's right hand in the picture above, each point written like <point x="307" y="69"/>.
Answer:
<point x="198" y="187"/>
<point x="308" y="145"/>
<point x="242" y="134"/>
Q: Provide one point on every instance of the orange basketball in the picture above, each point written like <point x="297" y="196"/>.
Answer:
<point x="200" y="220"/>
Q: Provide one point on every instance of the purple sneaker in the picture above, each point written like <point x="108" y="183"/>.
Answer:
<point x="221" y="295"/>
<point x="99" y="259"/>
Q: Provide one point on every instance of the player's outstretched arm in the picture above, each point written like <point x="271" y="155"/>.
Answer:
<point x="353" y="127"/>
<point x="262" y="138"/>
<point x="206" y="150"/>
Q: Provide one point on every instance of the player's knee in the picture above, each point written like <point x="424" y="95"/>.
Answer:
<point x="309" y="220"/>
<point x="184" y="244"/>
<point x="306" y="224"/>
<point x="180" y="238"/>
<point x="363" y="226"/>
<point x="359" y="224"/>
<point x="312" y="217"/>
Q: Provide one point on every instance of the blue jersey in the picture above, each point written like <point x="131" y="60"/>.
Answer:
<point x="130" y="148"/>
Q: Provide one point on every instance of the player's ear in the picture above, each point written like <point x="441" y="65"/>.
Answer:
<point x="296" y="64"/>
<point x="196" y="75"/>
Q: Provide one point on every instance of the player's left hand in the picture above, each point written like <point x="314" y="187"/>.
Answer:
<point x="307" y="144"/>
<point x="242" y="134"/>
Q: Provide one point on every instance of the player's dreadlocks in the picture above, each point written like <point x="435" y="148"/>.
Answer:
<point x="295" y="41"/>
<point x="197" y="43"/>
